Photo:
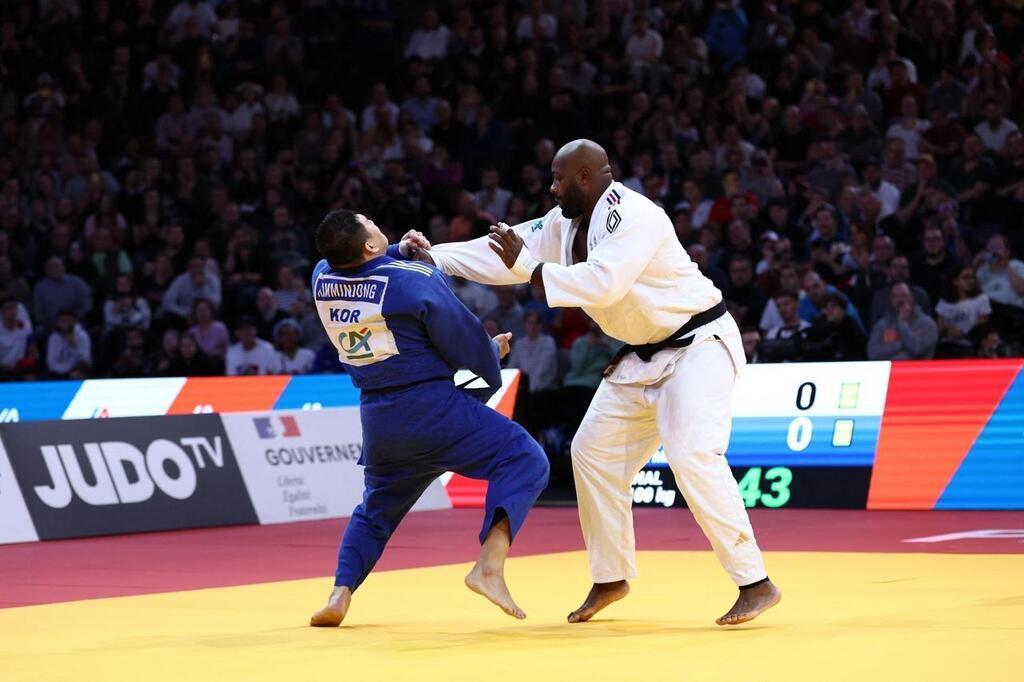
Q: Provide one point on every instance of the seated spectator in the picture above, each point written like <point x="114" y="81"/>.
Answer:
<point x="835" y="335"/>
<point x="191" y="361"/>
<point x="826" y="246"/>
<point x="861" y="141"/>
<point x="725" y="35"/>
<point x="508" y="313"/>
<point x="125" y="309"/>
<point x="643" y="55"/>
<point x="695" y="201"/>
<point x="469" y="221"/>
<point x="157" y="278"/>
<point x="930" y="268"/>
<point x="944" y="139"/>
<point x="291" y="293"/>
<point x="897" y="170"/>
<point x="972" y="176"/>
<point x="195" y="283"/>
<point x="210" y="334"/>
<point x="961" y="308"/>
<point x="906" y="333"/>
<point x="491" y="198"/>
<point x="59" y="291"/>
<point x="589" y="357"/>
<point x="786" y="302"/>
<point x="251" y="354"/>
<point x="292" y="358"/>
<point x="899" y="273"/>
<point x="909" y="127"/>
<point x="13" y="284"/>
<point x="536" y="355"/>
<point x="15" y="339"/>
<point x="430" y="40"/>
<point x="788" y="279"/>
<point x="267" y="314"/>
<point x="743" y="291"/>
<point x="537" y="24"/>
<point x="479" y="298"/>
<point x="816" y="292"/>
<point x="68" y="348"/>
<point x="988" y="342"/>
<point x="1002" y="279"/>
<point x="1001" y="276"/>
<point x="994" y="130"/>
<point x="538" y="303"/>
<point x="751" y="342"/>
<point x="131" y="360"/>
<point x="886" y="193"/>
<point x="699" y="255"/>
<point x="161" y="360"/>
<point x="784" y="343"/>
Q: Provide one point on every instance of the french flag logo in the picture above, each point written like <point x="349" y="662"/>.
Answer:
<point x="613" y="198"/>
<point x="285" y="427"/>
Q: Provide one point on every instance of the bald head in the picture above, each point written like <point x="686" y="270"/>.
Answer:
<point x="580" y="175"/>
<point x="583" y="154"/>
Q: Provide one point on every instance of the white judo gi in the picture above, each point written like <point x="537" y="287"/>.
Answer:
<point x="639" y="285"/>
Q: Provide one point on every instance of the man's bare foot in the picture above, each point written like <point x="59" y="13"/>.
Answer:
<point x="331" y="615"/>
<point x="490" y="583"/>
<point x="752" y="603"/>
<point x="601" y="595"/>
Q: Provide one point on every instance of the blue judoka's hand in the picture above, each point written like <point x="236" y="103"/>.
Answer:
<point x="413" y="242"/>
<point x="502" y="341"/>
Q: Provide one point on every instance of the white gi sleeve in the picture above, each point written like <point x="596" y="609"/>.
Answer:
<point x="475" y="261"/>
<point x="612" y="267"/>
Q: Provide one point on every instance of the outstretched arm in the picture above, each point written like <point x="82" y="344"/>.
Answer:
<point x="474" y="260"/>
<point x="610" y="270"/>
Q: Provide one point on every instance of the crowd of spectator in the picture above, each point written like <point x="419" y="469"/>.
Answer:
<point x="850" y="174"/>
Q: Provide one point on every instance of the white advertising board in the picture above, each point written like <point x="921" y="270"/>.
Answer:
<point x="302" y="465"/>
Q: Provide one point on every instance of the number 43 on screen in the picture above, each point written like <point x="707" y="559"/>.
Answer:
<point x="776" y="480"/>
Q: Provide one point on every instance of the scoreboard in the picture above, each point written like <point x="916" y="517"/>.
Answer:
<point x="803" y="435"/>
<point x="904" y="435"/>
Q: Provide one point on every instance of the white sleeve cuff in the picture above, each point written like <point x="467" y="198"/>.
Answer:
<point x="525" y="264"/>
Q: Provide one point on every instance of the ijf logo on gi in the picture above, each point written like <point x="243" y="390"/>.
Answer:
<point x="613" y="221"/>
<point x="356" y="344"/>
<point x="265" y="427"/>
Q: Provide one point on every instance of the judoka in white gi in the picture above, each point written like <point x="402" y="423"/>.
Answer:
<point x="613" y="252"/>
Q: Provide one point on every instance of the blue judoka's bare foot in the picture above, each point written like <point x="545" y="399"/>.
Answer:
<point x="331" y="615"/>
<point x="488" y="575"/>
<point x="752" y="603"/>
<point x="600" y="596"/>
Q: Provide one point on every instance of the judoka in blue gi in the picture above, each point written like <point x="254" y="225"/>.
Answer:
<point x="402" y="334"/>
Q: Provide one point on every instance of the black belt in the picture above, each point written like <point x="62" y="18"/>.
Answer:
<point x="646" y="351"/>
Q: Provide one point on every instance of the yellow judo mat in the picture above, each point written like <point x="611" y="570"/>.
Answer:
<point x="904" y="617"/>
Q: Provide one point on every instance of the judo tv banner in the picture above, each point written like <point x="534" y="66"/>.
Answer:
<point x="103" y="476"/>
<point x="302" y="465"/>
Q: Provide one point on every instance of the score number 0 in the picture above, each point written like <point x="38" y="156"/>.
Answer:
<point x="779" y="478"/>
<point x="801" y="429"/>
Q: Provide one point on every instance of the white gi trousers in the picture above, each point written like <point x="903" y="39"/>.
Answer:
<point x="688" y="408"/>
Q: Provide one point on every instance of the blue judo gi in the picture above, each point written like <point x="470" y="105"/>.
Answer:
<point x="402" y="333"/>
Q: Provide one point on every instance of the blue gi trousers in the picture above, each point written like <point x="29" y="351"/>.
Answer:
<point x="413" y="435"/>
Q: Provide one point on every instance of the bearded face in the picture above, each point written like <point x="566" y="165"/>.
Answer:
<point x="572" y="200"/>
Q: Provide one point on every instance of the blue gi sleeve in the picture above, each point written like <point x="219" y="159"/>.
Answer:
<point x="457" y="334"/>
<point x="395" y="252"/>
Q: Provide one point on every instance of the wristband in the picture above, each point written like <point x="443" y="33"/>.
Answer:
<point x="525" y="264"/>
